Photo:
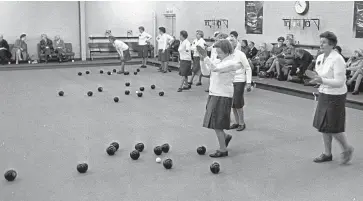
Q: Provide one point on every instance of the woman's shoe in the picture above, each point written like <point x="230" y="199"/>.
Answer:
<point x="355" y="92"/>
<point x="323" y="158"/>
<point x="234" y="126"/>
<point x="241" y="127"/>
<point x="198" y="84"/>
<point x="219" y="154"/>
<point x="190" y="83"/>
<point x="347" y="155"/>
<point x="180" y="90"/>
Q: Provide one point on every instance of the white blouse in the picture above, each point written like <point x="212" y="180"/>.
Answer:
<point x="144" y="38"/>
<point x="221" y="75"/>
<point x="332" y="71"/>
<point x="245" y="73"/>
<point x="184" y="50"/>
<point x="196" y="42"/>
<point x="164" y="40"/>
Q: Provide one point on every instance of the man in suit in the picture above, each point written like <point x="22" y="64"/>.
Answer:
<point x="301" y="62"/>
<point x="253" y="50"/>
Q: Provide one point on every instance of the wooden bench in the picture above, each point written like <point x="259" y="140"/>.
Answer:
<point x="100" y="48"/>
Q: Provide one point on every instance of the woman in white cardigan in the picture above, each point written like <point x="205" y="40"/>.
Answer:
<point x="219" y="102"/>
<point x="330" y="113"/>
<point x="243" y="76"/>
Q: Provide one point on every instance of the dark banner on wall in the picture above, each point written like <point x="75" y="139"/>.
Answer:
<point x="358" y="19"/>
<point x="254" y="17"/>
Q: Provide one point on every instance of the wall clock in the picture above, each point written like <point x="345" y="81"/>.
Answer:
<point x="301" y="7"/>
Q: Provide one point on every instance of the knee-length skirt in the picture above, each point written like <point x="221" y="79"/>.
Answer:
<point x="185" y="68"/>
<point x="127" y="56"/>
<point x="144" y="51"/>
<point x="196" y="65"/>
<point x="163" y="57"/>
<point x="218" y="112"/>
<point x="238" y="95"/>
<point x="330" y="113"/>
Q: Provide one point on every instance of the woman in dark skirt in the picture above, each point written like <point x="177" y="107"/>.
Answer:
<point x="218" y="109"/>
<point x="330" y="113"/>
<point x="243" y="76"/>
<point x="185" y="68"/>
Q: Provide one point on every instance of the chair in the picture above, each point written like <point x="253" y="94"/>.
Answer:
<point x="69" y="54"/>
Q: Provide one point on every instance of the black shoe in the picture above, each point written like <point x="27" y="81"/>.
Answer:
<point x="207" y="90"/>
<point x="234" y="126"/>
<point x="228" y="139"/>
<point x="219" y="154"/>
<point x="190" y="83"/>
<point x="323" y="158"/>
<point x="186" y="87"/>
<point x="198" y="84"/>
<point x="169" y="70"/>
<point x="180" y="90"/>
<point x="143" y="66"/>
<point x="241" y="127"/>
<point x="355" y="92"/>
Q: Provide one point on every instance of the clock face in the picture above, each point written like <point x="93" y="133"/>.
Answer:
<point x="301" y="7"/>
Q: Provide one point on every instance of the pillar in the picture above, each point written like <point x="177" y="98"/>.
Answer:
<point x="82" y="29"/>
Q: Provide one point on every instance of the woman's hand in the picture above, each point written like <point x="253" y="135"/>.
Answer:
<point x="316" y="80"/>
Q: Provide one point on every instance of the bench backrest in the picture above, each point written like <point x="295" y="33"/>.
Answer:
<point x="69" y="47"/>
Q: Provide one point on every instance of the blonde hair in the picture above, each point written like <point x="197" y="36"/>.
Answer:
<point x="200" y="32"/>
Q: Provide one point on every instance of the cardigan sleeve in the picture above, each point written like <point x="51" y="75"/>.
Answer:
<point x="338" y="79"/>
<point x="225" y="66"/>
<point x="204" y="66"/>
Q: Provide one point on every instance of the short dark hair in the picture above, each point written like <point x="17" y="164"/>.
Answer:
<point x="184" y="34"/>
<point x="234" y="33"/>
<point x="245" y="41"/>
<point x="22" y="36"/>
<point x="142" y="28"/>
<point x="338" y="48"/>
<point x="281" y="38"/>
<point x="162" y="29"/>
<point x="331" y="37"/>
<point x="253" y="43"/>
<point x="225" y="46"/>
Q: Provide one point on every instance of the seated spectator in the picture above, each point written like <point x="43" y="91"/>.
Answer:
<point x="358" y="75"/>
<point x="46" y="47"/>
<point x="286" y="57"/>
<point x="5" y="54"/>
<point x="301" y="62"/>
<point x="244" y="47"/>
<point x="59" y="48"/>
<point x="260" y="59"/>
<point x="174" y="46"/>
<point x="20" y="49"/>
<point x="339" y="49"/>
<point x="355" y="66"/>
<point x="312" y="67"/>
<point x="253" y="51"/>
<point x="277" y="49"/>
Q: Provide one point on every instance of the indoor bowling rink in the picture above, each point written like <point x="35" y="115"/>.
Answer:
<point x="44" y="137"/>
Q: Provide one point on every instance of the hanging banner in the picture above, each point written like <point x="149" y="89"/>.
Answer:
<point x="358" y="19"/>
<point x="254" y="17"/>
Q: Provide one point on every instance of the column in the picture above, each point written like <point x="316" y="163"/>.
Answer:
<point x="82" y="29"/>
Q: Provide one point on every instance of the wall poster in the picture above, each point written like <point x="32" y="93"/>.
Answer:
<point x="358" y="19"/>
<point x="254" y="17"/>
